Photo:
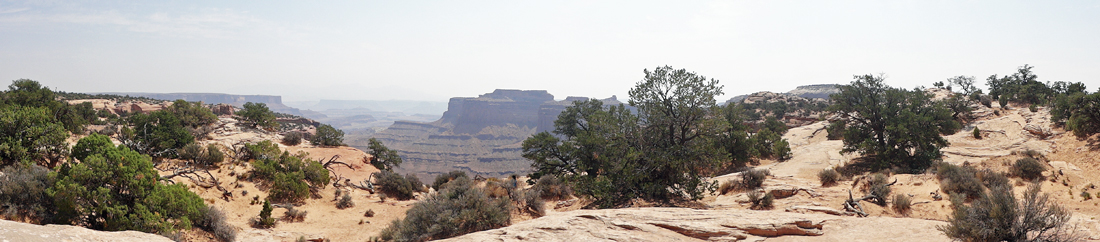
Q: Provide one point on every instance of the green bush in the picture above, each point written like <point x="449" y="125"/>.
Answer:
<point x="460" y="208"/>
<point x="115" y="188"/>
<point x="977" y="133"/>
<point x="993" y="179"/>
<point x="258" y="115"/>
<point x="292" y="138"/>
<point x="902" y="203"/>
<point x="328" y="136"/>
<point x="192" y="114"/>
<point x="264" y="220"/>
<point x="447" y="177"/>
<point x="31" y="135"/>
<point x="23" y="192"/>
<point x="1085" y="195"/>
<point x="290" y="176"/>
<point x="835" y="130"/>
<point x="1033" y="108"/>
<point x="396" y="186"/>
<point x="1003" y="102"/>
<point x="753" y="178"/>
<point x="960" y="180"/>
<point x="828" y="177"/>
<point x="1028" y="168"/>
<point x="260" y="150"/>
<point x="157" y="134"/>
<point x="553" y="188"/>
<point x="999" y="216"/>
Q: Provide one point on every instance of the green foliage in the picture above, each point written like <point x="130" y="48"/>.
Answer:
<point x="1033" y="108"/>
<point x="959" y="180"/>
<point x="30" y="94"/>
<point x="290" y="176"/>
<point x="660" y="154"/>
<point x="260" y="151"/>
<point x="977" y="133"/>
<point x="1028" y="168"/>
<point x="159" y="134"/>
<point x="258" y="115"/>
<point x="828" y="177"/>
<point x="23" y="193"/>
<point x="1085" y="195"/>
<point x="894" y="127"/>
<point x="328" y="136"/>
<point x="115" y="188"/>
<point x="447" y="177"/>
<point x="1079" y="112"/>
<point x="735" y="139"/>
<point x="1022" y="86"/>
<point x="292" y="138"/>
<point x="192" y="114"/>
<point x="30" y="135"/>
<point x="902" y="203"/>
<point x="999" y="216"/>
<point x="460" y="208"/>
<point x="836" y="130"/>
<point x="92" y="144"/>
<point x="396" y="186"/>
<point x="264" y="220"/>
<point x="382" y="157"/>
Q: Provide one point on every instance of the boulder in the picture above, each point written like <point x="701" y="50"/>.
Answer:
<point x="16" y="231"/>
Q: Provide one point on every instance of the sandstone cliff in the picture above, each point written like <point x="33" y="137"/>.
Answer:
<point x="16" y="231"/>
<point x="499" y="108"/>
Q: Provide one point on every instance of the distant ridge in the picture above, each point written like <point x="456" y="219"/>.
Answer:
<point x="275" y="103"/>
<point x="808" y="91"/>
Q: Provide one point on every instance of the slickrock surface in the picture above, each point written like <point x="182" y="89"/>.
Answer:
<point x="684" y="224"/>
<point x="11" y="231"/>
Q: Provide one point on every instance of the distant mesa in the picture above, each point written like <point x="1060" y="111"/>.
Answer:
<point x="821" y="91"/>
<point x="275" y="103"/>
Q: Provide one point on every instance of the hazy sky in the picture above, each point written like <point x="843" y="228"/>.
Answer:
<point x="421" y="50"/>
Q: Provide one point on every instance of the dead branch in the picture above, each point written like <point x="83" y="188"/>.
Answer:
<point x="200" y="177"/>
<point x="852" y="205"/>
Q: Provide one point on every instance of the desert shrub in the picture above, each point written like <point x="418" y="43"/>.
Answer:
<point x="880" y="188"/>
<point x="115" y="188"/>
<point x="533" y="203"/>
<point x="835" y="130"/>
<point x="760" y="199"/>
<point x="260" y="150"/>
<point x="828" y="177"/>
<point x="1028" y="168"/>
<point x="753" y="178"/>
<point x="727" y="187"/>
<point x="157" y="134"/>
<point x="460" y="208"/>
<point x="1003" y="102"/>
<point x="208" y="156"/>
<point x="258" y="115"/>
<point x="986" y="101"/>
<point x="902" y="203"/>
<point x="264" y="220"/>
<point x="369" y="213"/>
<point x="1033" y="108"/>
<point x="961" y="180"/>
<point x="328" y="136"/>
<point x="395" y="185"/>
<point x="214" y="222"/>
<point x="23" y="192"/>
<point x="977" y="133"/>
<point x="382" y="157"/>
<point x="290" y="176"/>
<point x="447" y="177"/>
<point x="999" y="216"/>
<point x="1085" y="195"/>
<point x="553" y="188"/>
<point x="294" y="215"/>
<point x="992" y="179"/>
<point x="292" y="138"/>
<point x="345" y="202"/>
<point x="192" y="114"/>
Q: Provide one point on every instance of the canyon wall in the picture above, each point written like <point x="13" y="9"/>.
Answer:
<point x="275" y="103"/>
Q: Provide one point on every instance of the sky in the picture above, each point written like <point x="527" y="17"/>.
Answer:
<point x="434" y="50"/>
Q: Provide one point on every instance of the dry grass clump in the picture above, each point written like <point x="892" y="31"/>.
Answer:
<point x="828" y="177"/>
<point x="753" y="178"/>
<point x="1028" y="168"/>
<point x="961" y="180"/>
<point x="345" y="202"/>
<point x="214" y="222"/>
<point x="292" y="138"/>
<point x="902" y="203"/>
<point x="552" y="188"/>
<point x="761" y="200"/>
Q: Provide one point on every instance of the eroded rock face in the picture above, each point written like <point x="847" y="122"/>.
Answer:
<point x="16" y="231"/>
<point x="498" y="108"/>
<point x="684" y="224"/>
